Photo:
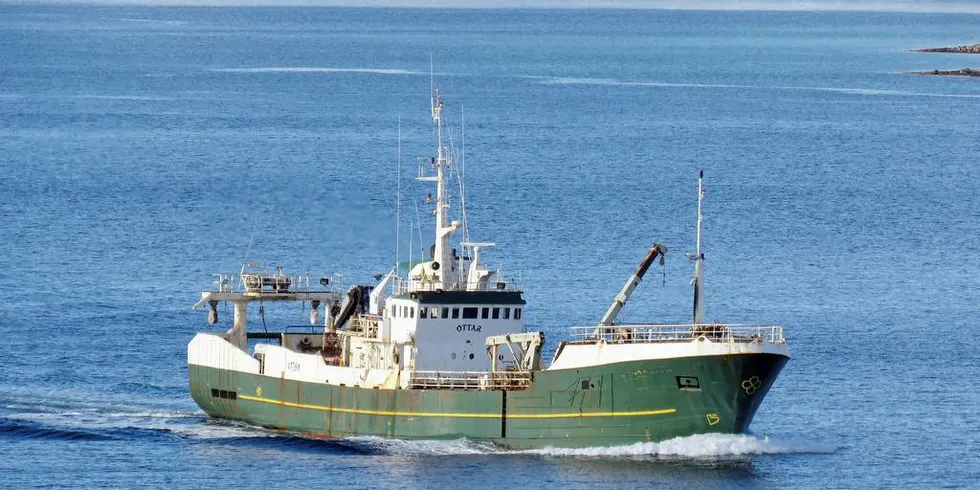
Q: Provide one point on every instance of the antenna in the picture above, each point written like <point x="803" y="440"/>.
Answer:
<point x="411" y="247"/>
<point x="432" y="83"/>
<point x="248" y="248"/>
<point x="462" y="174"/>
<point x="418" y="223"/>
<point x="700" y="217"/>
<point x="398" y="195"/>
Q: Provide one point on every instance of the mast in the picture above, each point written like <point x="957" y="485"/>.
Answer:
<point x="398" y="199"/>
<point x="440" y="257"/>
<point x="698" y="258"/>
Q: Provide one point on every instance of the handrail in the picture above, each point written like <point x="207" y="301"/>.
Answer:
<point x="651" y="333"/>
<point x="314" y="329"/>
<point x="474" y="380"/>
<point x="235" y="282"/>
<point x="402" y="286"/>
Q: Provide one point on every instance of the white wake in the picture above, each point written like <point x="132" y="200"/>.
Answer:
<point x="415" y="447"/>
<point x="546" y="80"/>
<point x="315" y="69"/>
<point x="696" y="447"/>
<point x="703" y="446"/>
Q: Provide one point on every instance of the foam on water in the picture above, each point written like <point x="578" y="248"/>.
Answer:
<point x="22" y="429"/>
<point x="626" y="83"/>
<point x="696" y="447"/>
<point x="315" y="69"/>
<point x="30" y="412"/>
<point x="132" y="98"/>
<point x="148" y="21"/>
<point x="44" y="412"/>
<point x="207" y="430"/>
<point x="126" y="424"/>
<point x="419" y="447"/>
<point x="576" y="81"/>
<point x="870" y="91"/>
<point x="546" y="80"/>
<point x="702" y="446"/>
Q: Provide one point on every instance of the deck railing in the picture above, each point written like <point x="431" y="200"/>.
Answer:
<point x="402" y="286"/>
<point x="256" y="282"/>
<point x="470" y="380"/>
<point x="639" y="334"/>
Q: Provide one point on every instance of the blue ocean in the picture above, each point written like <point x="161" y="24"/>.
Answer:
<point x="143" y="149"/>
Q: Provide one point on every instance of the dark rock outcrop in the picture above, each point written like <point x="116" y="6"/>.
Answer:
<point x="972" y="49"/>
<point x="966" y="72"/>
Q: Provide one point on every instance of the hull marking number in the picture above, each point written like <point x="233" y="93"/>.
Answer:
<point x="751" y="385"/>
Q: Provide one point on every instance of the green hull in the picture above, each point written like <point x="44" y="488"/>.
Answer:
<point x="613" y="404"/>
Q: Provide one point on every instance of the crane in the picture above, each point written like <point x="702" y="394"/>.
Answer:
<point x="617" y="305"/>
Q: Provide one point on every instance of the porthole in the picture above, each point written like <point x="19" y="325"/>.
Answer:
<point x="453" y="356"/>
<point x="471" y="356"/>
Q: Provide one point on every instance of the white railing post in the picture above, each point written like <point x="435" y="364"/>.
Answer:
<point x="730" y="333"/>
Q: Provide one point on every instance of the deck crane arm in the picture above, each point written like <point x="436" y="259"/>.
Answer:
<point x="617" y="305"/>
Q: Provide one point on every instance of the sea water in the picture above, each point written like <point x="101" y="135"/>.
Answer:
<point x="143" y="149"/>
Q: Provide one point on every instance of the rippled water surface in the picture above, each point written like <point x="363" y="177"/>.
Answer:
<point x="142" y="147"/>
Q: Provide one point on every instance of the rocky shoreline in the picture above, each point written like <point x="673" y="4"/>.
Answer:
<point x="972" y="49"/>
<point x="965" y="72"/>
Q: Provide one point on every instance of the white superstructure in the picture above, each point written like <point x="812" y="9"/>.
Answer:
<point x="435" y="320"/>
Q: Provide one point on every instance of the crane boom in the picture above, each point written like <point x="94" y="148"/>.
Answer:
<point x="617" y="305"/>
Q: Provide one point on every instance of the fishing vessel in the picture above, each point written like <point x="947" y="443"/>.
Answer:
<point x="443" y="353"/>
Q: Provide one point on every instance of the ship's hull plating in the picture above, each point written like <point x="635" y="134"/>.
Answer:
<point x="613" y="404"/>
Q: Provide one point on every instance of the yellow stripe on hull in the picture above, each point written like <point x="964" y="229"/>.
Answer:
<point x="589" y="414"/>
<point x="392" y="413"/>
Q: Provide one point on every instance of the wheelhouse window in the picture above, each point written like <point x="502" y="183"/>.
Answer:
<point x="495" y="314"/>
<point x="445" y="312"/>
<point x="506" y="313"/>
<point x="455" y="312"/>
<point x="485" y="313"/>
<point x="434" y="312"/>
<point x="411" y="312"/>
<point x="423" y="312"/>
<point x="517" y="313"/>
<point x="471" y="312"/>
